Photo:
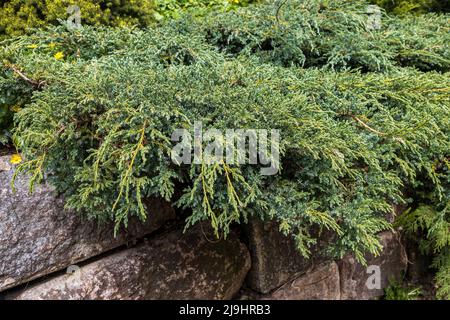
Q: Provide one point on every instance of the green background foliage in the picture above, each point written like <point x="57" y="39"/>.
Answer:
<point x="413" y="6"/>
<point x="176" y="8"/>
<point x="20" y="16"/>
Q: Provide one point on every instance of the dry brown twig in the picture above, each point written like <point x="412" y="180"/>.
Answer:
<point x="36" y="84"/>
<point x="366" y="126"/>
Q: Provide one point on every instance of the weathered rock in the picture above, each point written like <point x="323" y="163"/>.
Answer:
<point x="170" y="266"/>
<point x="5" y="164"/>
<point x="37" y="236"/>
<point x="275" y="258"/>
<point x="391" y="263"/>
<point x="321" y="283"/>
<point x="418" y="263"/>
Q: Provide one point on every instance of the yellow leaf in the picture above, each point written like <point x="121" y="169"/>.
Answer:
<point x="59" y="55"/>
<point x="16" y="159"/>
<point x="15" y="108"/>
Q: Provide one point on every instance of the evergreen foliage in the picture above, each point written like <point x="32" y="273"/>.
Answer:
<point x="176" y="8"/>
<point x="397" y="291"/>
<point x="363" y="115"/>
<point x="23" y="16"/>
<point x="20" y="16"/>
<point x="401" y="7"/>
<point x="432" y="223"/>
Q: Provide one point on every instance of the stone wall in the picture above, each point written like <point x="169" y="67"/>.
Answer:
<point x="47" y="252"/>
<point x="278" y="272"/>
<point x="38" y="236"/>
<point x="174" y="265"/>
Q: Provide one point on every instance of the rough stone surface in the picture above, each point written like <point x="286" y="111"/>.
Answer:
<point x="5" y="163"/>
<point x="275" y="259"/>
<point x="418" y="264"/>
<point x="37" y="236"/>
<point x="392" y="262"/>
<point x="321" y="283"/>
<point x="169" y="266"/>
